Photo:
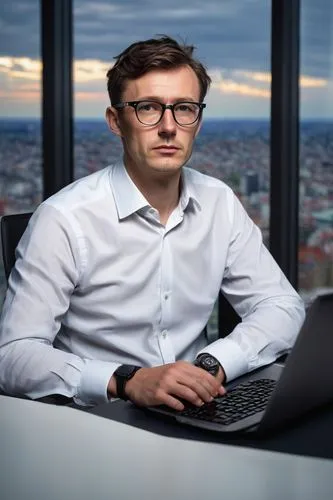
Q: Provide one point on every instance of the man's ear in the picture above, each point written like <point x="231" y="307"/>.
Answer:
<point x="112" y="119"/>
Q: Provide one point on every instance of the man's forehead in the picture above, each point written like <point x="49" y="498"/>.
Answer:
<point x="177" y="83"/>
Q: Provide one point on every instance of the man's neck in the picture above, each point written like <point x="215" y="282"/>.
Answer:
<point x="164" y="199"/>
<point x="161" y="191"/>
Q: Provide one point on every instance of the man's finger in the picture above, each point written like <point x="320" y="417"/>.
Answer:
<point x="173" y="402"/>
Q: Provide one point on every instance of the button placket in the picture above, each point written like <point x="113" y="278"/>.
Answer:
<point x="165" y="344"/>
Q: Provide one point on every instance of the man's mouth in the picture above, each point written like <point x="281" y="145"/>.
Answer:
<point x="167" y="148"/>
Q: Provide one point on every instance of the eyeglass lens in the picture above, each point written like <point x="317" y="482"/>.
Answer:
<point x="150" y="113"/>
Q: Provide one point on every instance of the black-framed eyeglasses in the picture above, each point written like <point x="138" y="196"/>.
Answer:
<point x="151" y="112"/>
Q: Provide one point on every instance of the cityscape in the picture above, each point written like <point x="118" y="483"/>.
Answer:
<point x="236" y="151"/>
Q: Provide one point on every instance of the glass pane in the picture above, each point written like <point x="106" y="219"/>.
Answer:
<point x="233" y="41"/>
<point x="316" y="149"/>
<point x="20" y="110"/>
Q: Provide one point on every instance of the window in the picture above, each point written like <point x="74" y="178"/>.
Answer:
<point x="316" y="148"/>
<point x="20" y="98"/>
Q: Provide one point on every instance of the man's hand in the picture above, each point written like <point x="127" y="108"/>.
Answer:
<point x="171" y="383"/>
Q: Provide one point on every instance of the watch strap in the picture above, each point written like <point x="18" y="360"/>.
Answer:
<point x="123" y="374"/>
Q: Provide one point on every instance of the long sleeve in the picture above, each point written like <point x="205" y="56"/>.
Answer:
<point x="271" y="310"/>
<point x="38" y="297"/>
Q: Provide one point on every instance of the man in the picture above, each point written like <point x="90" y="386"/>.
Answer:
<point x="118" y="273"/>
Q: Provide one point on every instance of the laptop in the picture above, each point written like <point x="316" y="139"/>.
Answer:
<point x="270" y="397"/>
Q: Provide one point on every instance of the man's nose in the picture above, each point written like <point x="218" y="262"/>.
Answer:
<point x="167" y="124"/>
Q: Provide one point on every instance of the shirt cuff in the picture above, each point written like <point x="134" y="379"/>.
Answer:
<point x="95" y="376"/>
<point x="230" y="356"/>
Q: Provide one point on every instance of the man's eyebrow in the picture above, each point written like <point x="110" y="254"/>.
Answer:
<point x="161" y="99"/>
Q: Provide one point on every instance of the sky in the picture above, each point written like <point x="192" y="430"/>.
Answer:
<point x="232" y="39"/>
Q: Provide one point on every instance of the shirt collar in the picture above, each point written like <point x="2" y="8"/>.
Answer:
<point x="189" y="196"/>
<point x="129" y="199"/>
<point x="127" y="196"/>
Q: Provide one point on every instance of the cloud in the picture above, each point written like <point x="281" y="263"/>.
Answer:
<point x="88" y="70"/>
<point x="305" y="81"/>
<point x="257" y="76"/>
<point x="19" y="28"/>
<point x="232" y="39"/>
<point x="242" y="82"/>
<point x="20" y="80"/>
<point x="310" y="82"/>
<point x="228" y="33"/>
<point x="23" y="68"/>
<point x="231" y="87"/>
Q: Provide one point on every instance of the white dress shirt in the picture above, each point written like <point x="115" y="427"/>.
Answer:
<point x="99" y="282"/>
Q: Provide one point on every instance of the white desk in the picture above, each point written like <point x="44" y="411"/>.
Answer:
<point x="58" y="453"/>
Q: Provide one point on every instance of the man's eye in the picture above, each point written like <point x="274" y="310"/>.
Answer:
<point x="185" y="108"/>
<point x="148" y="106"/>
<point x="145" y="107"/>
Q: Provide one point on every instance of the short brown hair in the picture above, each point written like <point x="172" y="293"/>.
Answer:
<point x="155" y="53"/>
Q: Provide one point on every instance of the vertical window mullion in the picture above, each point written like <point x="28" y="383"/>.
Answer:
<point x="285" y="136"/>
<point x="57" y="57"/>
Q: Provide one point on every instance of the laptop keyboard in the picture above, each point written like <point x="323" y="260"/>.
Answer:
<point x="242" y="402"/>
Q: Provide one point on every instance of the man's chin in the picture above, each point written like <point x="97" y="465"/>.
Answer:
<point x="167" y="165"/>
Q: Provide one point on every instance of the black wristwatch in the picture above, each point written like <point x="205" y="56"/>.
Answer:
<point x="207" y="362"/>
<point x="122" y="375"/>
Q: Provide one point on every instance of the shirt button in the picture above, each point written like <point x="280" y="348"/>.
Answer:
<point x="164" y="333"/>
<point x="166" y="296"/>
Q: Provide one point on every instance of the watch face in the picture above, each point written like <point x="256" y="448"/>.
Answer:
<point x="209" y="363"/>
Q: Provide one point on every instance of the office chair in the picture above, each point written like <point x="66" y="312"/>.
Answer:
<point x="12" y="228"/>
